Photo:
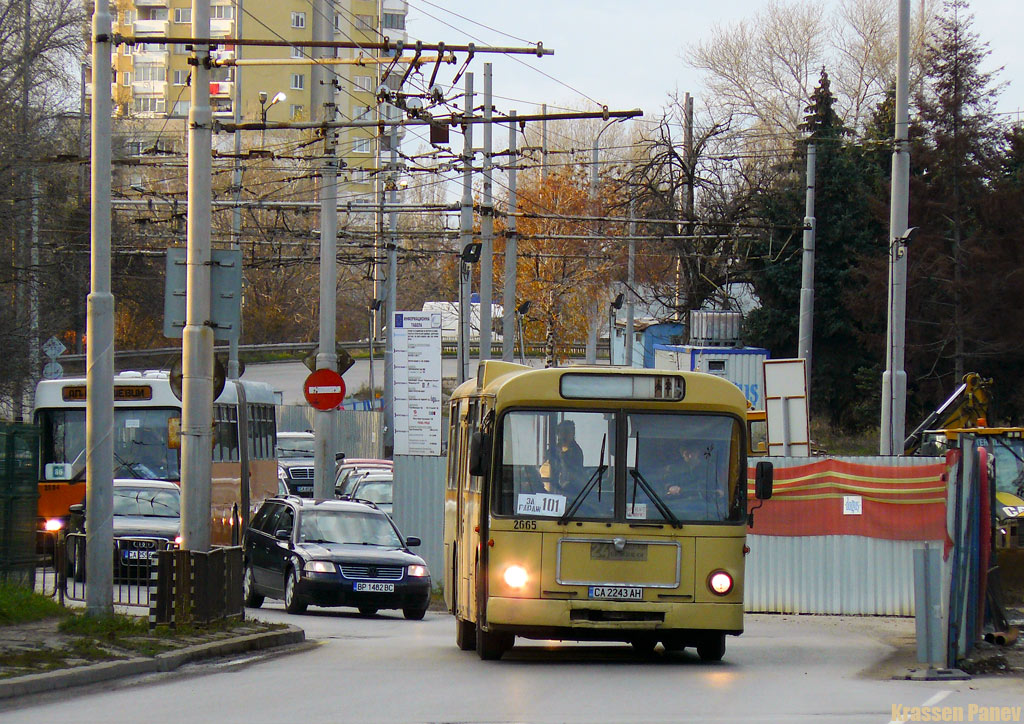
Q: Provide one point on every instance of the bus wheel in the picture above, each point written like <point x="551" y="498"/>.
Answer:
<point x="465" y="634"/>
<point x="490" y="645"/>
<point x="644" y="645"/>
<point x="711" y="648"/>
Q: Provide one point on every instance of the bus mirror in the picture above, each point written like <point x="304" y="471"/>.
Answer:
<point x="174" y="433"/>
<point x="763" y="476"/>
<point x="479" y="457"/>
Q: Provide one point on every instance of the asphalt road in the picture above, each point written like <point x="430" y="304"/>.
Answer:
<point x="387" y="669"/>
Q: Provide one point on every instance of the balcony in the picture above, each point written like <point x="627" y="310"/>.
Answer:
<point x="221" y="27"/>
<point x="221" y="89"/>
<point x="148" y="87"/>
<point x="151" y="27"/>
<point x="155" y="57"/>
<point x="151" y="3"/>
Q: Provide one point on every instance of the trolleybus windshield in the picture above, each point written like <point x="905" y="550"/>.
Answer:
<point x="571" y="465"/>
<point x="141" y="444"/>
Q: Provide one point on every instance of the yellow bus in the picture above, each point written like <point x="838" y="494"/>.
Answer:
<point x="147" y="421"/>
<point x="606" y="504"/>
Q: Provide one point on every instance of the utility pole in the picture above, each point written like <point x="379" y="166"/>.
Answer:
<point x="508" y="341"/>
<point x="326" y="358"/>
<point x="323" y="31"/>
<point x="688" y="153"/>
<point x="236" y="183"/>
<point x="544" y="143"/>
<point x="392" y="300"/>
<point x="466" y="231"/>
<point x="630" y="283"/>
<point x="197" y="337"/>
<point x="805" y="340"/>
<point x="894" y="380"/>
<point x="486" y="226"/>
<point x="99" y="406"/>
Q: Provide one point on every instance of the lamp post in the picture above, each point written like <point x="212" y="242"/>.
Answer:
<point x="614" y="306"/>
<point x="280" y="97"/>
<point x="375" y="306"/>
<point x="521" y="311"/>
<point x="470" y="255"/>
<point x="594" y="160"/>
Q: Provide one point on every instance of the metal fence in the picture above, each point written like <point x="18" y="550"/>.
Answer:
<point x="357" y="432"/>
<point x="19" y="464"/>
<point x="134" y="562"/>
<point x="418" y="507"/>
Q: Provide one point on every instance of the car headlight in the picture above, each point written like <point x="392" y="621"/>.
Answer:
<point x="418" y="571"/>
<point x="516" y="576"/>
<point x="720" y="583"/>
<point x="53" y="525"/>
<point x="282" y="475"/>
<point x="320" y="567"/>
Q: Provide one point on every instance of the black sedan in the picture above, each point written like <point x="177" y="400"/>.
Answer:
<point x="332" y="553"/>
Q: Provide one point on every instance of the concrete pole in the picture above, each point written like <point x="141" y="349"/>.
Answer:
<point x="508" y="342"/>
<point x="33" y="284"/>
<point x="894" y="380"/>
<point x="322" y="30"/>
<point x="197" y="338"/>
<point x="326" y="358"/>
<point x="236" y="182"/>
<point x="544" y="142"/>
<point x="99" y="408"/>
<point x="590" y="354"/>
<point x="392" y="301"/>
<point x="466" y="232"/>
<point x="486" y="226"/>
<point x="805" y="339"/>
<point x="630" y="274"/>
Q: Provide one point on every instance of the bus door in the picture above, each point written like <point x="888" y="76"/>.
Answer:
<point x="468" y="517"/>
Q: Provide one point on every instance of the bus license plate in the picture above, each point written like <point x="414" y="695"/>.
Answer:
<point x="619" y="593"/>
<point x="368" y="587"/>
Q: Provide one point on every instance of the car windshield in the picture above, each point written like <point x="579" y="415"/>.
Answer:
<point x="149" y="502"/>
<point x="376" y="491"/>
<point x="352" y="527"/>
<point x="294" y="447"/>
<point x="141" y="448"/>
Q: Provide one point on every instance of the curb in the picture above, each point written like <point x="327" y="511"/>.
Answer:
<point x="167" y="661"/>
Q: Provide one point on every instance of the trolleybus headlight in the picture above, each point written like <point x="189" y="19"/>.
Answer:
<point x="515" y="576"/>
<point x="720" y="582"/>
<point x="177" y="540"/>
<point x="53" y="525"/>
<point x="418" y="571"/>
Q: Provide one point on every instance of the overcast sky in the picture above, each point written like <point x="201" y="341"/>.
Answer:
<point x="629" y="53"/>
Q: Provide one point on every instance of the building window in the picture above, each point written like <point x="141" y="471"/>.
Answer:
<point x="134" y="148"/>
<point x="394" y="81"/>
<point x="126" y="50"/>
<point x="363" y="83"/>
<point x="129" y="17"/>
<point x="150" y="72"/>
<point x="126" y="78"/>
<point x="221" y="12"/>
<point x="180" y="108"/>
<point x="296" y="52"/>
<point x="358" y="175"/>
<point x="298" y="81"/>
<point x="296" y="113"/>
<point x="183" y="15"/>
<point x="182" y="48"/>
<point x="361" y="145"/>
<point x="394" y="21"/>
<point x="365" y="113"/>
<point x="180" y="77"/>
<point x="146" y="104"/>
<point x="298" y="20"/>
<point x="153" y="13"/>
<point x="151" y="48"/>
<point x="365" y="23"/>
<point x="337" y="23"/>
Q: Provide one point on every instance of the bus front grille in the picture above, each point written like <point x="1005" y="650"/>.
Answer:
<point x="601" y="616"/>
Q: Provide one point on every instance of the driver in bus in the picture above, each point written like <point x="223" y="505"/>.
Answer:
<point x="562" y="470"/>
<point x="681" y="468"/>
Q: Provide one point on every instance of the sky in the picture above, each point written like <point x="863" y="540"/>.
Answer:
<point x="630" y="53"/>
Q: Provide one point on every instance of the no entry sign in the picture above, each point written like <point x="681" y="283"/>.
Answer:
<point x="324" y="389"/>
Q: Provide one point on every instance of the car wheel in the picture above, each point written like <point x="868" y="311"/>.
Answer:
<point x="711" y="648"/>
<point x="293" y="603"/>
<point x="491" y="645"/>
<point x="414" y="614"/>
<point x="465" y="634"/>
<point x="252" y="598"/>
<point x="367" y="610"/>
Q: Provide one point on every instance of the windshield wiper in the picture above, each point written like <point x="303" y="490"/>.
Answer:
<point x="640" y="480"/>
<point x="595" y="478"/>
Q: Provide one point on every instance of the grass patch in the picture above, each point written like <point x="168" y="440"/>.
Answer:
<point x="21" y="605"/>
<point x="110" y="627"/>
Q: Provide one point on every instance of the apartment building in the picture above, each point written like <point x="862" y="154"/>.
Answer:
<point x="151" y="91"/>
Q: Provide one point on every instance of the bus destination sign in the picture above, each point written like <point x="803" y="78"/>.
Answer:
<point x="122" y="393"/>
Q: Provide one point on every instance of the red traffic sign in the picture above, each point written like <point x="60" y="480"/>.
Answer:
<point x="324" y="389"/>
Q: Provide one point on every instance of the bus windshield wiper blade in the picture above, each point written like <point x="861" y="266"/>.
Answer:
<point x="665" y="511"/>
<point x="581" y="496"/>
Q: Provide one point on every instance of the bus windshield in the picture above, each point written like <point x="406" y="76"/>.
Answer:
<point x="570" y="465"/>
<point x="141" y="447"/>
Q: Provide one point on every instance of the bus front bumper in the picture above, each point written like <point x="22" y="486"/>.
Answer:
<point x="587" y="619"/>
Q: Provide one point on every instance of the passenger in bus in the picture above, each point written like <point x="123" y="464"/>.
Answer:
<point x="562" y="470"/>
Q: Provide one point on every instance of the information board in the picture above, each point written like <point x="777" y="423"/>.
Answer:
<point x="417" y="376"/>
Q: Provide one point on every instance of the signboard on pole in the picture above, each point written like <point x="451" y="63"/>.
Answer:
<point x="417" y="382"/>
<point x="786" y="398"/>
<point x="324" y="389"/>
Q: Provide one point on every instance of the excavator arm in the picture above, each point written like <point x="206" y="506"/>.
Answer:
<point x="966" y="407"/>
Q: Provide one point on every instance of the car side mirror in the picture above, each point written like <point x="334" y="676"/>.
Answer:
<point x="764" y="476"/>
<point x="77" y="508"/>
<point x="338" y="457"/>
<point x="283" y="534"/>
<point x="412" y="541"/>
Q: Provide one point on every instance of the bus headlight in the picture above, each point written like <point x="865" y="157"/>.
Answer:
<point x="52" y="525"/>
<point x="418" y="571"/>
<point x="515" y="576"/>
<point x="720" y="583"/>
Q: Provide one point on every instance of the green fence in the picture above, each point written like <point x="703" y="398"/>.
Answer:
<point x="19" y="462"/>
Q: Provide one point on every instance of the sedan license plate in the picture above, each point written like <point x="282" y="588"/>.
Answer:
<point x="371" y="587"/>
<point x="304" y="488"/>
<point x="618" y="593"/>
<point x="138" y="555"/>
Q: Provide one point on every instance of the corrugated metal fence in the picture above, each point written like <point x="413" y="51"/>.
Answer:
<point x="357" y="433"/>
<point x="832" y="574"/>
<point x="419" y="505"/>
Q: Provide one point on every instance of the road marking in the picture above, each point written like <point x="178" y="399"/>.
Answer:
<point x="932" y="701"/>
<point x="238" y="662"/>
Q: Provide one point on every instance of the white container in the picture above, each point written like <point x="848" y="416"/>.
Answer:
<point x="743" y="366"/>
<point x="715" y="328"/>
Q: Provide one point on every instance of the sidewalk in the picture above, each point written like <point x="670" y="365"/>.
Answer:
<point x="37" y="657"/>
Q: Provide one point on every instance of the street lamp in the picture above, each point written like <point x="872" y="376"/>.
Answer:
<point x="375" y="306"/>
<point x="592" y="336"/>
<point x="614" y="306"/>
<point x="470" y="255"/>
<point x="280" y="97"/>
<point x="521" y="311"/>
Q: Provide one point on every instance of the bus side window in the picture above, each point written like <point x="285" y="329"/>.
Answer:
<point x="453" y="446"/>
